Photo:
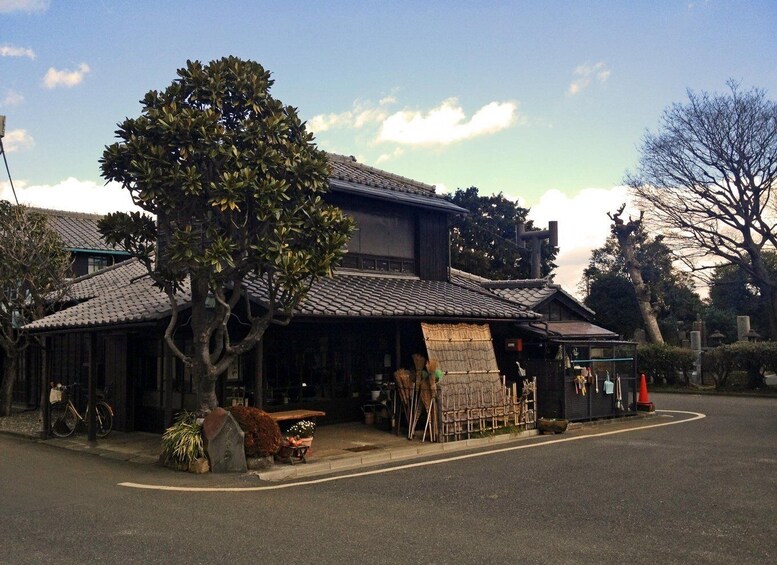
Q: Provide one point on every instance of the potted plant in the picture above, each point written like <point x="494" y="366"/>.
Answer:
<point x="182" y="447"/>
<point x="301" y="433"/>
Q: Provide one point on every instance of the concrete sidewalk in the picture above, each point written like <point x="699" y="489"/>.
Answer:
<point x="336" y="448"/>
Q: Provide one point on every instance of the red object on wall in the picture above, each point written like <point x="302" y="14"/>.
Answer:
<point x="514" y="344"/>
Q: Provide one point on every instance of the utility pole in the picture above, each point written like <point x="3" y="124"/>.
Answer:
<point x="2" y="152"/>
<point x="535" y="238"/>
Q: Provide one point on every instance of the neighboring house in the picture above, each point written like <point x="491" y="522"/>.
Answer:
<point x="354" y="329"/>
<point x="81" y="237"/>
<point x="561" y="347"/>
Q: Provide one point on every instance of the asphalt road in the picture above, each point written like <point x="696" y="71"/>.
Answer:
<point x="704" y="491"/>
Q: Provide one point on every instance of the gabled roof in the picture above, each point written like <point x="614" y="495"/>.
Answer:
<point x="351" y="177"/>
<point x="78" y="231"/>
<point x="531" y="293"/>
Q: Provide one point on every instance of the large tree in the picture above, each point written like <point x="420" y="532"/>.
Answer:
<point x="483" y="242"/>
<point x="34" y="267"/>
<point x="610" y="291"/>
<point x="707" y="177"/>
<point x="235" y="182"/>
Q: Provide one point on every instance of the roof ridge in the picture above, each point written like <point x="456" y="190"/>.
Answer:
<point x="103" y="271"/>
<point x="67" y="213"/>
<point x="351" y="160"/>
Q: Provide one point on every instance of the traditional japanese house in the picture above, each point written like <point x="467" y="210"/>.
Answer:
<point x="350" y="335"/>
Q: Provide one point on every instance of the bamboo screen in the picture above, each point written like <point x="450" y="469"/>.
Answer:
<point x="464" y="351"/>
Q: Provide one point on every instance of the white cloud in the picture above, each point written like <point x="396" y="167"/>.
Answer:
<point x="440" y="188"/>
<point x="583" y="226"/>
<point x="12" y="98"/>
<point x="55" y="78"/>
<point x="18" y="140"/>
<point x="7" y="50"/>
<point x="363" y="113"/>
<point x="387" y="156"/>
<point x="7" y="6"/>
<point x="446" y="123"/>
<point x="585" y="74"/>
<point x="73" y="195"/>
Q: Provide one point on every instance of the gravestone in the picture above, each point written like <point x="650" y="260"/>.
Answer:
<point x="225" y="447"/>
<point x="743" y="327"/>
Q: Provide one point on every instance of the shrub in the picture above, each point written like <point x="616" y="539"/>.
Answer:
<point x="663" y="362"/>
<point x="753" y="358"/>
<point x="262" y="434"/>
<point x="182" y="442"/>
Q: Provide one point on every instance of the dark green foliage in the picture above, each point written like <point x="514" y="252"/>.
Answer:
<point x="732" y="291"/>
<point x="34" y="268"/>
<point x="753" y="358"/>
<point x="612" y="297"/>
<point x="182" y="442"/>
<point x="483" y="242"/>
<point x="663" y="362"/>
<point x="262" y="434"/>
<point x="235" y="182"/>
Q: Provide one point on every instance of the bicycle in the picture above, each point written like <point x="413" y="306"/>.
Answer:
<point x="65" y="417"/>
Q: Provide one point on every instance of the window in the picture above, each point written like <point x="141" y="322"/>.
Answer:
<point x="96" y="263"/>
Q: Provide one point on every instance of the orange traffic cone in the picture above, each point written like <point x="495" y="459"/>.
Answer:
<point x="643" y="401"/>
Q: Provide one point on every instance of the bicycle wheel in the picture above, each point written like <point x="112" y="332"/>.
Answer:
<point x="103" y="419"/>
<point x="63" y="419"/>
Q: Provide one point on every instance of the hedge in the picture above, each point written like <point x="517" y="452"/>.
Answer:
<point x="663" y="362"/>
<point x="755" y="358"/>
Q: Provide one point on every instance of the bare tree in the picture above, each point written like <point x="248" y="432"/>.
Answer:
<point x="624" y="233"/>
<point x="707" y="177"/>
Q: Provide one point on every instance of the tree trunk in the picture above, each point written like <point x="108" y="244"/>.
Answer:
<point x="624" y="232"/>
<point x="6" y="387"/>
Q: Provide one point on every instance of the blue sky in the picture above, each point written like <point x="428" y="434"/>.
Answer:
<point x="544" y="101"/>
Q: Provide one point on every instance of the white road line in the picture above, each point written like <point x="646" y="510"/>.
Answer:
<point x="696" y="416"/>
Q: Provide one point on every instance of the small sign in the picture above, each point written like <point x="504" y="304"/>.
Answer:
<point x="514" y="344"/>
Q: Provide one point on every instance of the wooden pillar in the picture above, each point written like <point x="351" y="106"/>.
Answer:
<point x="259" y="374"/>
<point x="168" y="368"/>
<point x="91" y="421"/>
<point x="45" y="387"/>
<point x="397" y="346"/>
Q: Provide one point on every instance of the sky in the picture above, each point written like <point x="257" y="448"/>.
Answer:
<point x="545" y="102"/>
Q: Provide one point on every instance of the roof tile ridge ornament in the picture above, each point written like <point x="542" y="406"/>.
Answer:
<point x="351" y="160"/>
<point x="544" y="282"/>
<point x="470" y="276"/>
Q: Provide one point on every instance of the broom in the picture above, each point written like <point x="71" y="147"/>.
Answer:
<point x="415" y="410"/>
<point x="404" y="382"/>
<point x="428" y="393"/>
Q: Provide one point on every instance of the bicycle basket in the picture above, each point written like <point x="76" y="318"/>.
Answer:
<point x="57" y="395"/>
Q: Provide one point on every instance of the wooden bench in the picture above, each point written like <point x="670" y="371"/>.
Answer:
<point x="288" y="415"/>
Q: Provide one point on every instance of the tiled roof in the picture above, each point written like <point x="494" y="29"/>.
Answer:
<point x="346" y="168"/>
<point x="94" y="284"/>
<point x="383" y="296"/>
<point x="122" y="295"/>
<point x="77" y="230"/>
<point x="530" y="293"/>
